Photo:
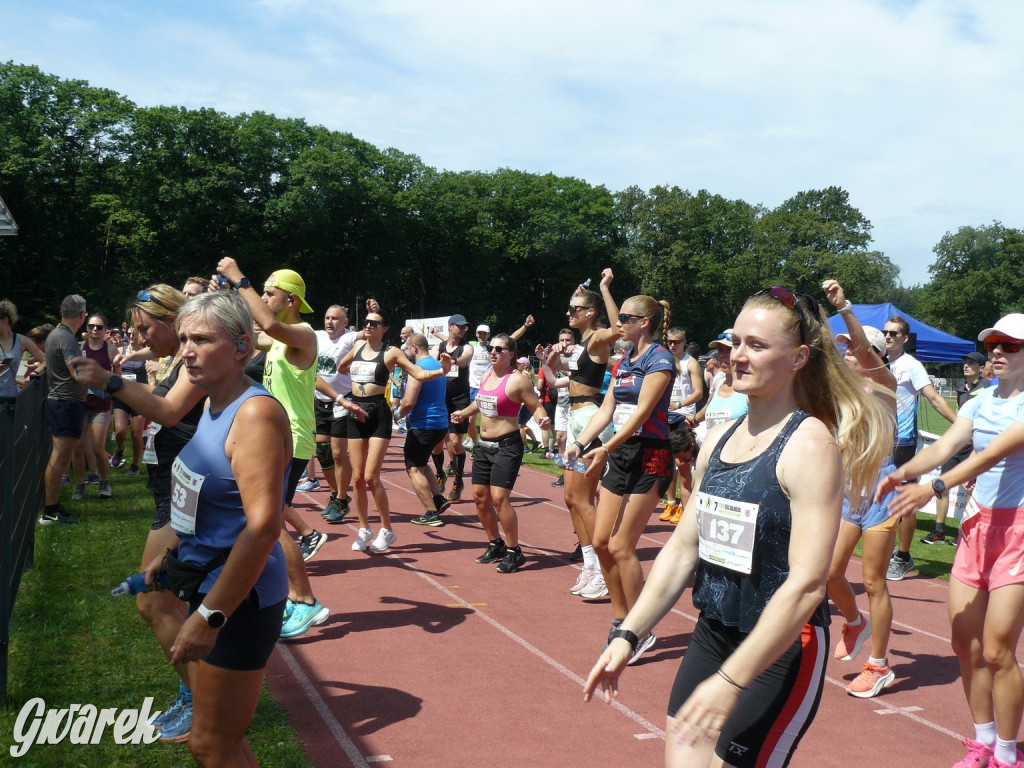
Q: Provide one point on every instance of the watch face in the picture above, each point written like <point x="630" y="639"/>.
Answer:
<point x="215" y="619"/>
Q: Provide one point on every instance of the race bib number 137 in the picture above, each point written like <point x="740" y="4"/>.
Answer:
<point x="726" y="531"/>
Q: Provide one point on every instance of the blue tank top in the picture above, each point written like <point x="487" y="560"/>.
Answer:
<point x="203" y="481"/>
<point x="12" y="357"/>
<point x="729" y="596"/>
<point x="430" y="411"/>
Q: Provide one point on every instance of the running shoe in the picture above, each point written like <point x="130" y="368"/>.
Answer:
<point x="61" y="516"/>
<point x="512" y="561"/>
<point x="289" y="606"/>
<point x="178" y="729"/>
<point x="106" y="492"/>
<point x="65" y="480"/>
<point x="495" y="551"/>
<point x="677" y="515"/>
<point x="337" y="514"/>
<point x="303" y="617"/>
<point x="442" y="478"/>
<point x="978" y="755"/>
<point x="667" y="512"/>
<point x="163" y="718"/>
<point x="577" y="554"/>
<point x="310" y="544"/>
<point x="133" y="470"/>
<point x="92" y="479"/>
<point x="332" y="504"/>
<point x="899" y="568"/>
<point x="309" y="485"/>
<point x="79" y="493"/>
<point x="431" y="518"/>
<point x="595" y="588"/>
<point x="852" y="639"/>
<point x="117" y="459"/>
<point x="933" y="538"/>
<point x="468" y="444"/>
<point x="385" y="538"/>
<point x="644" y="645"/>
<point x="364" y="537"/>
<point x="582" y="580"/>
<point x="456" y="492"/>
<point x="444" y="506"/>
<point x="559" y="483"/>
<point x="871" y="681"/>
<point x="995" y="762"/>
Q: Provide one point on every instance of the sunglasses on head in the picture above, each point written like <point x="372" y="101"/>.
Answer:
<point x="1009" y="344"/>
<point x="625" y="318"/>
<point x="793" y="301"/>
<point x="497" y="348"/>
<point x="96" y="327"/>
<point x="147" y="296"/>
<point x="726" y="336"/>
<point x="372" y="324"/>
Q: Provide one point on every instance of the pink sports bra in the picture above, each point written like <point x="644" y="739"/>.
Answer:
<point x="495" y="402"/>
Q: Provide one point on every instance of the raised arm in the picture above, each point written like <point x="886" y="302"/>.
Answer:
<point x="606" y="293"/>
<point x="517" y="334"/>
<point x="871" y="364"/>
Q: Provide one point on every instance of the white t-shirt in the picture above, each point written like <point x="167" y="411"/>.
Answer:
<point x="479" y="365"/>
<point x="329" y="353"/>
<point x="1003" y="485"/>
<point x="682" y="387"/>
<point x="911" y="378"/>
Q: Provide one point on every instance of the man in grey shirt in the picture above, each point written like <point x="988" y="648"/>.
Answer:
<point x="65" y="404"/>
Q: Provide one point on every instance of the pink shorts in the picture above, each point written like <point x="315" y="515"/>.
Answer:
<point x="991" y="550"/>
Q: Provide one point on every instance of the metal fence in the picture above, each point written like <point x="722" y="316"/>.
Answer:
<point x="24" y="452"/>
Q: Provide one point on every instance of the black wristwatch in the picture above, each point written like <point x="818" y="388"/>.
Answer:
<point x="214" y="618"/>
<point x="579" y="445"/>
<point x="114" y="384"/>
<point x="626" y="635"/>
<point x="938" y="487"/>
<point x="243" y="283"/>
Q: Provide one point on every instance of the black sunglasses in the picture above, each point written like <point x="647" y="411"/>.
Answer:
<point x="574" y="308"/>
<point x="498" y="348"/>
<point x="625" y="318"/>
<point x="372" y="324"/>
<point x="95" y="327"/>
<point x="145" y="295"/>
<point x="893" y="334"/>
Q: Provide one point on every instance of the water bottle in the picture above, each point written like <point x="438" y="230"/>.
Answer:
<point x="137" y="583"/>
<point x="578" y="466"/>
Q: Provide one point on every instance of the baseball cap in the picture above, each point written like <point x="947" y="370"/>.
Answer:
<point x="977" y="357"/>
<point x="724" y="339"/>
<point x="484" y="328"/>
<point x="289" y="280"/>
<point x="458" y="320"/>
<point x="523" y="361"/>
<point x="1012" y="325"/>
<point x="875" y="338"/>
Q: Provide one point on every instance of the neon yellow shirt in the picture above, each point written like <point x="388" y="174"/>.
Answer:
<point x="294" y="390"/>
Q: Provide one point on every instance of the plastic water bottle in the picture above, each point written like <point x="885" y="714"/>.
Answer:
<point x="578" y="466"/>
<point x="136" y="583"/>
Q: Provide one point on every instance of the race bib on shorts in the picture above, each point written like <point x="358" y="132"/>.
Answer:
<point x="339" y="411"/>
<point x="488" y="405"/>
<point x="149" y="454"/>
<point x="184" y="497"/>
<point x="970" y="510"/>
<point x="725" y="530"/>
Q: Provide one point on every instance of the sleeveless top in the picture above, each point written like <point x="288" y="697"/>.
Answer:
<point x="372" y="371"/>
<point x="583" y="368"/>
<point x="294" y="390"/>
<point x="458" y="377"/>
<point x="758" y="522"/>
<point x="206" y="505"/>
<point x="494" y="402"/>
<point x="12" y="356"/>
<point x="97" y="403"/>
<point x="682" y="388"/>
<point x="479" y="365"/>
<point x="430" y="411"/>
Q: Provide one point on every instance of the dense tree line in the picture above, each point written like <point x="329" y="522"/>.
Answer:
<point x="110" y="197"/>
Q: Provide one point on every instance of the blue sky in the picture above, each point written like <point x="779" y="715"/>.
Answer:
<point x="913" y="107"/>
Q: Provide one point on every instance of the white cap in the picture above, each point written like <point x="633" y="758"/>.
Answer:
<point x="484" y="328"/>
<point x="875" y="338"/>
<point x="1012" y="325"/>
<point x="724" y="339"/>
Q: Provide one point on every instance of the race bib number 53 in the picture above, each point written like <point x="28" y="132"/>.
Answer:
<point x="726" y="531"/>
<point x="185" y="497"/>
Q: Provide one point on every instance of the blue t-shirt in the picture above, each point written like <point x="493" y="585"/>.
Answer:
<point x="430" y="411"/>
<point x="629" y="378"/>
<point x="1003" y="485"/>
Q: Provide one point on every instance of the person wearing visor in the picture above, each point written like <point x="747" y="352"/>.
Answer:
<point x="986" y="587"/>
<point x="725" y="404"/>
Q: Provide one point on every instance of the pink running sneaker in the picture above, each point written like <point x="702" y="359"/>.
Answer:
<point x="852" y="639"/>
<point x="995" y="762"/>
<point x="978" y="755"/>
<point x="871" y="681"/>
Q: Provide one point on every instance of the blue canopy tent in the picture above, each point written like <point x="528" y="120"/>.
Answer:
<point x="933" y="345"/>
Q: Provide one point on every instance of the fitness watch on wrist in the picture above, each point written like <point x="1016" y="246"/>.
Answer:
<point x="243" y="283"/>
<point x="216" y="619"/>
<point x="114" y="384"/>
<point x="938" y="487"/>
<point x="626" y="635"/>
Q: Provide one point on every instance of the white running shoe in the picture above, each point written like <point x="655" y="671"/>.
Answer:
<point x="385" y="538"/>
<point x="582" y="580"/>
<point x="595" y="588"/>
<point x="364" y="537"/>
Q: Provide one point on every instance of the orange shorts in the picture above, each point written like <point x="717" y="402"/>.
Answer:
<point x="991" y="550"/>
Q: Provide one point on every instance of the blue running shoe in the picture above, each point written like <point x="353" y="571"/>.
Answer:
<point x="178" y="729"/>
<point x="309" y="485"/>
<point x="171" y="712"/>
<point x="303" y="617"/>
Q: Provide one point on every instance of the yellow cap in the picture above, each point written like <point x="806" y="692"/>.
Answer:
<point x="289" y="280"/>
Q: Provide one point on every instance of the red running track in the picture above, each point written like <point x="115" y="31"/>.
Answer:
<point x="431" y="659"/>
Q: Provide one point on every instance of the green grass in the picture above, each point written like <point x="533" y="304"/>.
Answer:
<point x="72" y="643"/>
<point x="933" y="560"/>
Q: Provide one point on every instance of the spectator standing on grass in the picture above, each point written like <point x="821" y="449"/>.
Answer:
<point x="65" y="405"/>
<point x="911" y="382"/>
<point x="97" y="410"/>
<point x="126" y="420"/>
<point x="12" y="347"/>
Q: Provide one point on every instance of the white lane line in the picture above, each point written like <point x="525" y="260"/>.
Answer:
<point x="346" y="744"/>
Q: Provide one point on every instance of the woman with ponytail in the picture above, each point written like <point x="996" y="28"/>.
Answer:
<point x="638" y="456"/>
<point x="756" y="541"/>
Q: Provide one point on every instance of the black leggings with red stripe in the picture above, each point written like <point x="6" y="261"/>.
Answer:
<point x="775" y="711"/>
